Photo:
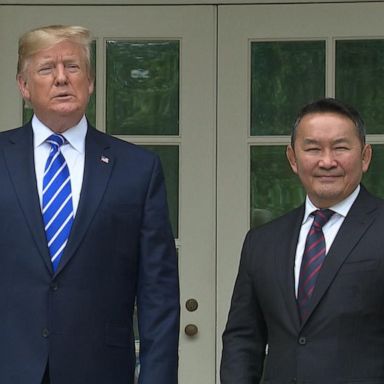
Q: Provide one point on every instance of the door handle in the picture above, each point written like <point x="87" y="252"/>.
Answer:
<point x="191" y="330"/>
<point x="191" y="305"/>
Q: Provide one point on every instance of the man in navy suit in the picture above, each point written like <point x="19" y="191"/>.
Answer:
<point x="301" y="312"/>
<point x="72" y="323"/>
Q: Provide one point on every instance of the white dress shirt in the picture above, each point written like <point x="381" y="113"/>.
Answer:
<point x="73" y="152"/>
<point x="330" y="229"/>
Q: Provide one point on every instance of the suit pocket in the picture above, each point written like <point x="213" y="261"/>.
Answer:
<point x="364" y="381"/>
<point x="118" y="336"/>
<point x="359" y="266"/>
<point x="354" y="283"/>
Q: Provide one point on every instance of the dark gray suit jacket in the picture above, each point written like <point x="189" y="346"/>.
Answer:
<point x="120" y="249"/>
<point x="342" y="340"/>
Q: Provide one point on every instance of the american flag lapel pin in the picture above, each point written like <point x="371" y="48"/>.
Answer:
<point x="104" y="159"/>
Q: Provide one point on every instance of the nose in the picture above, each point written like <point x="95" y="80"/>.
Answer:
<point x="60" y="75"/>
<point x="327" y="160"/>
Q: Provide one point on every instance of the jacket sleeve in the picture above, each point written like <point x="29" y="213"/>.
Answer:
<point x="158" y="288"/>
<point x="245" y="335"/>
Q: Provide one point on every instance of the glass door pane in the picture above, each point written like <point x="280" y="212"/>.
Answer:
<point x="284" y="75"/>
<point x="360" y="79"/>
<point x="143" y="87"/>
<point x="156" y="87"/>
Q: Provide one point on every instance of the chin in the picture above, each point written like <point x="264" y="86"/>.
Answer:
<point x="327" y="199"/>
<point x="67" y="111"/>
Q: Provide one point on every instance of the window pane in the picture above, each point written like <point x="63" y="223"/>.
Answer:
<point x="91" y="109"/>
<point x="27" y="113"/>
<point x="284" y="76"/>
<point x="143" y="87"/>
<point x="169" y="156"/>
<point x="275" y="189"/>
<point x="360" y="79"/>
<point x="374" y="178"/>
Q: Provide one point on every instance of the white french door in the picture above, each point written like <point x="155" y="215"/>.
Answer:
<point x="217" y="161"/>
<point x="272" y="59"/>
<point x="185" y="36"/>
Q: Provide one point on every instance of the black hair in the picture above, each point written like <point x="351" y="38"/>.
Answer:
<point x="331" y="105"/>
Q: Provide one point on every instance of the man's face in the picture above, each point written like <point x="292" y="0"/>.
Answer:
<point x="57" y="85"/>
<point x="328" y="157"/>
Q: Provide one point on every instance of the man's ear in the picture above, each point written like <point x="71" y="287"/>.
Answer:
<point x="23" y="87"/>
<point x="366" y="157"/>
<point x="290" y="152"/>
<point x="91" y="86"/>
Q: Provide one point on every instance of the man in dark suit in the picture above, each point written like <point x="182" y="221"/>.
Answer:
<point x="70" y="277"/>
<point x="307" y="306"/>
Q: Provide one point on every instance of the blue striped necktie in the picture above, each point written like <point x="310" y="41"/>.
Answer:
<point x="313" y="257"/>
<point x="57" y="200"/>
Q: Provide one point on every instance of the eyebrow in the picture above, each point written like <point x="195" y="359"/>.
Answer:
<point x="49" y="59"/>
<point x="341" y="140"/>
<point x="337" y="141"/>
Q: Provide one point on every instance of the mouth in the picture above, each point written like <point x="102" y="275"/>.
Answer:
<point x="63" y="96"/>
<point x="328" y="178"/>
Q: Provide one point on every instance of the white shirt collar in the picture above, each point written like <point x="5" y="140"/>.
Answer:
<point x="342" y="208"/>
<point x="75" y="135"/>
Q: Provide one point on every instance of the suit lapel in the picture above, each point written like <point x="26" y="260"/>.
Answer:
<point x="360" y="217"/>
<point x="19" y="158"/>
<point x="97" y="171"/>
<point x="285" y="265"/>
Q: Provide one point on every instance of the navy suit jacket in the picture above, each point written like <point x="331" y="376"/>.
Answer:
<point x="121" y="250"/>
<point x="342" y="340"/>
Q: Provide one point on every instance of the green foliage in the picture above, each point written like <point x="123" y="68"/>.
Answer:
<point x="169" y="156"/>
<point x="275" y="189"/>
<point x="284" y="76"/>
<point x="373" y="179"/>
<point x="360" y="79"/>
<point x="143" y="87"/>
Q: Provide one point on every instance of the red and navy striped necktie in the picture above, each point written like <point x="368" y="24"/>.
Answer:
<point x="313" y="257"/>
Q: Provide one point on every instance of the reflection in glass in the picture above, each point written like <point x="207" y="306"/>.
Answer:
<point x="27" y="113"/>
<point x="169" y="156"/>
<point x="143" y="87"/>
<point x="360" y="79"/>
<point x="91" y="109"/>
<point x="275" y="189"/>
<point x="373" y="180"/>
<point x="285" y="75"/>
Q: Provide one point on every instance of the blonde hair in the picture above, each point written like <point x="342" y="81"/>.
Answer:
<point x="45" y="37"/>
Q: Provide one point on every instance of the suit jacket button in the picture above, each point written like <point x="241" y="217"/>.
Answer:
<point x="45" y="332"/>
<point x="302" y="340"/>
<point x="54" y="286"/>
